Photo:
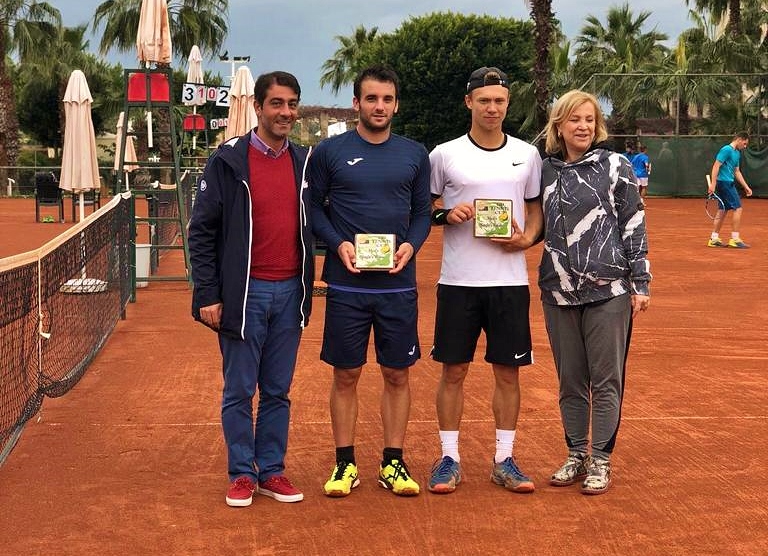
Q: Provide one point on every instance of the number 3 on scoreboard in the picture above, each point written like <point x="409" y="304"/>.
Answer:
<point x="192" y="93"/>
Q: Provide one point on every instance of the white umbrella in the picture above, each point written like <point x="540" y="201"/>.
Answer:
<point x="130" y="149"/>
<point x="242" y="114"/>
<point x="195" y="75"/>
<point x="79" y="164"/>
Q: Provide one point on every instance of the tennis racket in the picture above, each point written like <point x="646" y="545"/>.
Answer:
<point x="713" y="203"/>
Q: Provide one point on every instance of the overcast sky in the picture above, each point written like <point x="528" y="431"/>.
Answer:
<point x="298" y="35"/>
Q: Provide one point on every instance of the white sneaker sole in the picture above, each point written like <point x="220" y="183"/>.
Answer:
<point x="239" y="503"/>
<point x="282" y="497"/>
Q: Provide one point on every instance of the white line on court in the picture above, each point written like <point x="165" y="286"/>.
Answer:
<point x="434" y="422"/>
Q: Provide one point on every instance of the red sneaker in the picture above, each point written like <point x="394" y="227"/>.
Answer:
<point x="281" y="489"/>
<point x="240" y="492"/>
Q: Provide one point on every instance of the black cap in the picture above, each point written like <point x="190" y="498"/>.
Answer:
<point x="484" y="76"/>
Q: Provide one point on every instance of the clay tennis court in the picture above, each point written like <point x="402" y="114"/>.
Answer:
<point x="132" y="460"/>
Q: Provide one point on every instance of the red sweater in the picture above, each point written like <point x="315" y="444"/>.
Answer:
<point x="275" y="215"/>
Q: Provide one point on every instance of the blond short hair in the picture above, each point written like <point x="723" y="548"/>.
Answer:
<point x="562" y="110"/>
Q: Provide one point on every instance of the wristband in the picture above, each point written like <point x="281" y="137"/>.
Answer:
<point x="440" y="216"/>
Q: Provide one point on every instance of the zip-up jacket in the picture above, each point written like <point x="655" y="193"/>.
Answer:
<point x="595" y="242"/>
<point x="220" y="234"/>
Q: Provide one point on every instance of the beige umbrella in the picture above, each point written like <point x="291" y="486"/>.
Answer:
<point x="79" y="165"/>
<point x="195" y="75"/>
<point x="130" y="150"/>
<point x="153" y="41"/>
<point x="153" y="38"/>
<point x="242" y="114"/>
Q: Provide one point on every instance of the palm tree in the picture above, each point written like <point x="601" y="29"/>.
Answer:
<point x="541" y="13"/>
<point x="688" y="57"/>
<point x="25" y="26"/>
<point x="343" y="67"/>
<point x="559" y="81"/>
<point x="621" y="47"/>
<point x="200" y="22"/>
<point x="718" y="53"/>
<point x="720" y="9"/>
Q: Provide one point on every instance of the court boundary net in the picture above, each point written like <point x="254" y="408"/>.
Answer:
<point x="60" y="304"/>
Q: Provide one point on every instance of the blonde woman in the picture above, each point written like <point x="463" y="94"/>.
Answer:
<point x="594" y="278"/>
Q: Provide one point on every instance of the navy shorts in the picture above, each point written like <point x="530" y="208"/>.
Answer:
<point x="500" y="311"/>
<point x="726" y="190"/>
<point x="349" y="317"/>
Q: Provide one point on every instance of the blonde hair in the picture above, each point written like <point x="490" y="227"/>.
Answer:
<point x="562" y="110"/>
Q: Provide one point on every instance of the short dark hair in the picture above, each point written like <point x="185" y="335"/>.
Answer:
<point x="266" y="80"/>
<point x="742" y="135"/>
<point x="377" y="72"/>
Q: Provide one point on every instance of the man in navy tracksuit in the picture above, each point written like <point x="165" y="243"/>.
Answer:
<point x="371" y="181"/>
<point x="252" y="265"/>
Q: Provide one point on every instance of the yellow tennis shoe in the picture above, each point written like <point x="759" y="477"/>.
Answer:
<point x="737" y="243"/>
<point x="343" y="480"/>
<point x="395" y="477"/>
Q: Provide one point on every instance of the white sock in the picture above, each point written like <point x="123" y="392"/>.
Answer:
<point x="715" y="235"/>
<point x="505" y="442"/>
<point x="449" y="440"/>
<point x="734" y="235"/>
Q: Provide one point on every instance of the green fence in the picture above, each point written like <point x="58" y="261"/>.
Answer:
<point x="679" y="164"/>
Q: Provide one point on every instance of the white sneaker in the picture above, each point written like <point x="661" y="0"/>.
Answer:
<point x="598" y="476"/>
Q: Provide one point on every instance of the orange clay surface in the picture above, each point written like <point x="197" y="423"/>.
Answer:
<point x="132" y="461"/>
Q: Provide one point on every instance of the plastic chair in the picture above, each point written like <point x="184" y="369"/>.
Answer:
<point x="47" y="193"/>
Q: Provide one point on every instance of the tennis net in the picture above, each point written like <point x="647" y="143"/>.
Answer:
<point x="60" y="303"/>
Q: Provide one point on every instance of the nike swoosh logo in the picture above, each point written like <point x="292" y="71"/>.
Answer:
<point x="353" y="161"/>
<point x="517" y="163"/>
<point x="413" y="350"/>
<point x="521" y="355"/>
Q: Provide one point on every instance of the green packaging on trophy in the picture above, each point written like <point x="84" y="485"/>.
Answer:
<point x="493" y="218"/>
<point x="374" y="251"/>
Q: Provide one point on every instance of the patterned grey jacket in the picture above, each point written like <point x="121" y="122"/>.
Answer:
<point x="595" y="243"/>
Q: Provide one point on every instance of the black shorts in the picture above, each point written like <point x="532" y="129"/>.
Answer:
<point x="349" y="318"/>
<point x="500" y="311"/>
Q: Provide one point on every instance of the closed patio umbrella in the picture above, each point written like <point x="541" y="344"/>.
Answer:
<point x="153" y="41"/>
<point x="242" y="114"/>
<point x="195" y="75"/>
<point x="153" y="38"/>
<point x="130" y="149"/>
<point x="79" y="164"/>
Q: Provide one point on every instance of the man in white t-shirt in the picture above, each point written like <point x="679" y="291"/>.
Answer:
<point x="483" y="283"/>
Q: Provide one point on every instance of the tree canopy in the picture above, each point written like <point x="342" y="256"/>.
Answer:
<point x="709" y="82"/>
<point x="434" y="54"/>
<point x="25" y="27"/>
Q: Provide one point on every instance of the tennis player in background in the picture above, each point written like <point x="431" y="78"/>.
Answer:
<point x="723" y="177"/>
<point x="641" y="164"/>
<point x="252" y="264"/>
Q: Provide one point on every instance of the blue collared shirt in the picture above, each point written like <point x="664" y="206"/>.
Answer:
<point x="265" y="149"/>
